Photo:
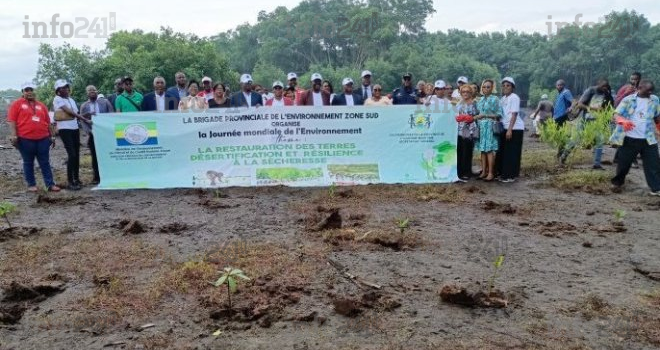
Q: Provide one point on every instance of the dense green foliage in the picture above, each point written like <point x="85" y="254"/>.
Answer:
<point x="339" y="38"/>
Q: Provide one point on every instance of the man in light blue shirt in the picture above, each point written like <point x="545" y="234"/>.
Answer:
<point x="562" y="103"/>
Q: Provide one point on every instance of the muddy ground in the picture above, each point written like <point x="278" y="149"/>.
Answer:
<point x="332" y="268"/>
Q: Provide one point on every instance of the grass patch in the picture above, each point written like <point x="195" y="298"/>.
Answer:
<point x="590" y="181"/>
<point x="122" y="261"/>
<point x="9" y="184"/>
<point x="389" y="238"/>
<point x="544" y="161"/>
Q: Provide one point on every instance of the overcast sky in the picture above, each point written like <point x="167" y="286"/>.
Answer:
<point x="18" y="55"/>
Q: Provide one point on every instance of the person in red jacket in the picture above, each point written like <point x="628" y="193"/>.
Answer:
<point x="279" y="99"/>
<point x="315" y="96"/>
<point x="628" y="89"/>
<point x="32" y="133"/>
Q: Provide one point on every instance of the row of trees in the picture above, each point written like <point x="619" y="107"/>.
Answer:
<point x="339" y="38"/>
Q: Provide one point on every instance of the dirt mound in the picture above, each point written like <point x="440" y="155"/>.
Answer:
<point x="351" y="306"/>
<point x="264" y="302"/>
<point x="18" y="296"/>
<point x="505" y="208"/>
<point x="132" y="226"/>
<point x="64" y="200"/>
<point x="175" y="227"/>
<point x="473" y="296"/>
<point x="613" y="227"/>
<point x="321" y="218"/>
<point x="11" y="314"/>
<point x="216" y="204"/>
<point x="556" y="229"/>
<point x="38" y="292"/>
<point x="19" y="232"/>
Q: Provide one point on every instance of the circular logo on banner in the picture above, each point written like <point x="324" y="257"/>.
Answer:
<point x="136" y="134"/>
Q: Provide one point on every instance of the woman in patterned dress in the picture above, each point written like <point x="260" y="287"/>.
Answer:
<point x="468" y="132"/>
<point x="490" y="112"/>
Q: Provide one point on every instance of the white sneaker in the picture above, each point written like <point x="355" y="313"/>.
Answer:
<point x="655" y="193"/>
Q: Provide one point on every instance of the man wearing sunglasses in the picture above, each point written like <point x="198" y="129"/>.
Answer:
<point x="279" y="100"/>
<point x="406" y="94"/>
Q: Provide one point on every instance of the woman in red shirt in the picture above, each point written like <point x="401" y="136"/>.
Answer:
<point x="31" y="132"/>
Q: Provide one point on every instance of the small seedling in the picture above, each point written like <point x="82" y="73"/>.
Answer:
<point x="228" y="277"/>
<point x="497" y="264"/>
<point x="331" y="190"/>
<point x="619" y="215"/>
<point x="402" y="224"/>
<point x="217" y="194"/>
<point x="7" y="208"/>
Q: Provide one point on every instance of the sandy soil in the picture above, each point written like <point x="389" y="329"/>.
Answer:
<point x="131" y="269"/>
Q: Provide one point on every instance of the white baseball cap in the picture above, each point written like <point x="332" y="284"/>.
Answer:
<point x="365" y="73"/>
<point x="544" y="96"/>
<point x="246" y="78"/>
<point x="508" y="80"/>
<point x="60" y="83"/>
<point x="462" y="79"/>
<point x="28" y="84"/>
<point x="440" y="84"/>
<point x="347" y="81"/>
<point x="316" y="76"/>
<point x="291" y="75"/>
<point x="207" y="79"/>
<point x="278" y="83"/>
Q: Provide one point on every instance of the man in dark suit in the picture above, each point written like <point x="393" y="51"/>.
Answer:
<point x="94" y="106"/>
<point x="246" y="97"/>
<point x="315" y="96"/>
<point x="119" y="88"/>
<point x="181" y="87"/>
<point x="366" y="88"/>
<point x="160" y="100"/>
<point x="348" y="98"/>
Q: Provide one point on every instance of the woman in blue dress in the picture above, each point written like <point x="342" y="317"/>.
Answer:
<point x="490" y="112"/>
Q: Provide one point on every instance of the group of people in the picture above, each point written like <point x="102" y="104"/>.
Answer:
<point x="636" y="124"/>
<point x="493" y="125"/>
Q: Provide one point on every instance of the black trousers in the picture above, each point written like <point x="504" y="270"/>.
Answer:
<point x="650" y="161"/>
<point x="71" y="141"/>
<point x="464" y="148"/>
<point x="507" y="160"/>
<point x="95" y="163"/>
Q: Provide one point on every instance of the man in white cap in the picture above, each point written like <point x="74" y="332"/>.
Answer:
<point x="279" y="100"/>
<point x="438" y="101"/>
<point x="509" y="154"/>
<point x="207" y="89"/>
<point x="456" y="95"/>
<point x="315" y="96"/>
<point x="31" y="132"/>
<point x="366" y="89"/>
<point x="67" y="117"/>
<point x="292" y="79"/>
<point x="246" y="97"/>
<point x="348" y="98"/>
